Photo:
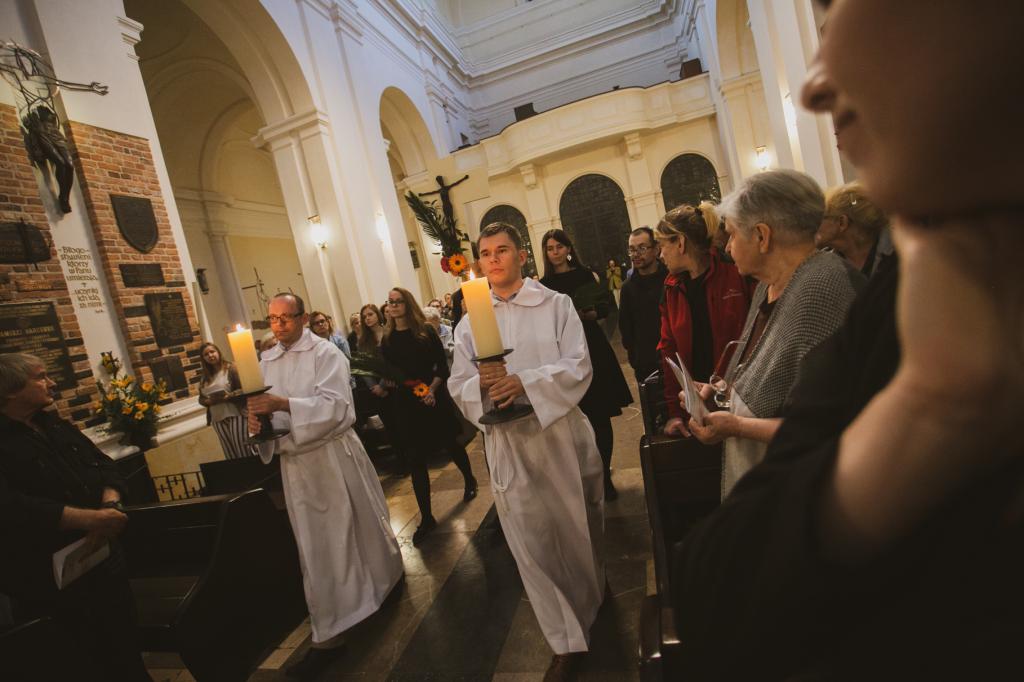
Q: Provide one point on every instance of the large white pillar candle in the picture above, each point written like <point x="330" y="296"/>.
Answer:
<point x="482" y="321"/>
<point x="246" y="362"/>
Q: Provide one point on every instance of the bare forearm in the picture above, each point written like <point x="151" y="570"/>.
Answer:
<point x="756" y="428"/>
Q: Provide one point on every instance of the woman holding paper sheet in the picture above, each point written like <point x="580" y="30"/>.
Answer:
<point x="703" y="308"/>
<point x="802" y="297"/>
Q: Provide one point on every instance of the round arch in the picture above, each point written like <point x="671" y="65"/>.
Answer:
<point x="592" y="210"/>
<point x="505" y="213"/>
<point x="689" y="178"/>
<point x="410" y="139"/>
<point x="253" y="37"/>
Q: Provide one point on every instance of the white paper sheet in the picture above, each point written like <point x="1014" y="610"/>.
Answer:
<point x="691" y="398"/>
<point x="76" y="560"/>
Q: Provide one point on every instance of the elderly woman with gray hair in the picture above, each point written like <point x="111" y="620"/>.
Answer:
<point x="802" y="297"/>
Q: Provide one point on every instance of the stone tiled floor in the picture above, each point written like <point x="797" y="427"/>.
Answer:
<point x="461" y="613"/>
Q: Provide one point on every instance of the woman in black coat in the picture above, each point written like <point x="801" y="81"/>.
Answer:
<point x="428" y="416"/>
<point x="608" y="392"/>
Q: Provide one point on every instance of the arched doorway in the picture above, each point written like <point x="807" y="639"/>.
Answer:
<point x="593" y="211"/>
<point x="513" y="216"/>
<point x="689" y="179"/>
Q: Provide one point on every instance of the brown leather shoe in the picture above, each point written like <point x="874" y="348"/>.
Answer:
<point x="563" y="667"/>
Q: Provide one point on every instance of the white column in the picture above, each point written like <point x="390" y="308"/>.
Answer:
<point x="786" y="38"/>
<point x="230" y="291"/>
<point x="705" y="32"/>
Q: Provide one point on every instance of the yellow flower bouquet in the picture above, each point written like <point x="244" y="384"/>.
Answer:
<point x="131" y="408"/>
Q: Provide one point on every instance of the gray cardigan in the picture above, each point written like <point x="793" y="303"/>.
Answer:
<point x="811" y="307"/>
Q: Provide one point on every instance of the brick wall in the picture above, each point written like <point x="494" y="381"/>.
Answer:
<point x="19" y="200"/>
<point x="108" y="163"/>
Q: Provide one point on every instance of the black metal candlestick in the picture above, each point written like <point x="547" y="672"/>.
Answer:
<point x="267" y="431"/>
<point x="500" y="415"/>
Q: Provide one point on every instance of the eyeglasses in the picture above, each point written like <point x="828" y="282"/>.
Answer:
<point x="281" y="319"/>
<point x="396" y="302"/>
<point x="638" y="250"/>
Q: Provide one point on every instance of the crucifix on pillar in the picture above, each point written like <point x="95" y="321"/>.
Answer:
<point x="446" y="202"/>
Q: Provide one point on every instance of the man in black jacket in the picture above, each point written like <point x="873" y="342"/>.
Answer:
<point x="56" y="487"/>
<point x="639" y="315"/>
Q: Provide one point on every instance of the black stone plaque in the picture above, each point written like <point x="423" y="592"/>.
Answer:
<point x="169" y="318"/>
<point x="170" y="370"/>
<point x="142" y="274"/>
<point x="22" y="243"/>
<point x="34" y="328"/>
<point x="136" y="220"/>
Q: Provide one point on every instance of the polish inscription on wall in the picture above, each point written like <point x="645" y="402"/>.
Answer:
<point x="34" y="328"/>
<point x="83" y="282"/>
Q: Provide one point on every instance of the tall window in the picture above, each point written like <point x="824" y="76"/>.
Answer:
<point x="593" y="212"/>
<point x="512" y="216"/>
<point x="689" y="179"/>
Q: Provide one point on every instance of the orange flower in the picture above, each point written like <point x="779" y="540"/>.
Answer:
<point x="420" y="390"/>
<point x="457" y="263"/>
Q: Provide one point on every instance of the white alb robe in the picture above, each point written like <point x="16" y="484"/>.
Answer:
<point x="545" y="469"/>
<point x="349" y="555"/>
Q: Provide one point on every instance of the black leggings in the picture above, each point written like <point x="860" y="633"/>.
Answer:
<point x="421" y="479"/>
<point x="605" y="440"/>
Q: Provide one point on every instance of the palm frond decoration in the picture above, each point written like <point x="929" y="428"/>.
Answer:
<point x="373" y="365"/>
<point x="435" y="225"/>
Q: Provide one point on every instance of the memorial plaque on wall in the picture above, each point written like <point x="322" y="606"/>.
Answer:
<point x="34" y="328"/>
<point x="170" y="370"/>
<point x="169" y="318"/>
<point x="142" y="274"/>
<point x="22" y="243"/>
<point x="136" y="220"/>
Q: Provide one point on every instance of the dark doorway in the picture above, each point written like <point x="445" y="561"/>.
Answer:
<point x="689" y="179"/>
<point x="593" y="212"/>
<point x="514" y="217"/>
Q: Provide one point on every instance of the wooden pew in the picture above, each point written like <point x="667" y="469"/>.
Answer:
<point x="682" y="483"/>
<point x="215" y="579"/>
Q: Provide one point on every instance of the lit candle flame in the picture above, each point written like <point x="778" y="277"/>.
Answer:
<point x="471" y="275"/>
<point x="239" y="327"/>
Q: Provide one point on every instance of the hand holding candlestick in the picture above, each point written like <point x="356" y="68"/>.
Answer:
<point x="248" y="367"/>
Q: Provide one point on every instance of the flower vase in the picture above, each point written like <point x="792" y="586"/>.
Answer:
<point x="143" y="441"/>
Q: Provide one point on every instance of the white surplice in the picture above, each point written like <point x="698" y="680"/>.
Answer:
<point x="349" y="555"/>
<point x="545" y="469"/>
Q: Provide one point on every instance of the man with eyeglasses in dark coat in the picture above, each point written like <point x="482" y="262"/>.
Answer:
<point x="639" y="317"/>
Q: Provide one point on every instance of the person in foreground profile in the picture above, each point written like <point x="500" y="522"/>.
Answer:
<point x="348" y="553"/>
<point x="887" y="545"/>
<point x="546" y="472"/>
<point x="57" y="487"/>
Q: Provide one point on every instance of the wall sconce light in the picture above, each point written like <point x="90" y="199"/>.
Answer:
<point x="317" y="231"/>
<point x="762" y="158"/>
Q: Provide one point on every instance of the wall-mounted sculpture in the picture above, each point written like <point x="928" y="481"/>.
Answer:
<point x="35" y="87"/>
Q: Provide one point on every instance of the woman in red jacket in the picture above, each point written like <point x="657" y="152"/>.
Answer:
<point x="704" y="306"/>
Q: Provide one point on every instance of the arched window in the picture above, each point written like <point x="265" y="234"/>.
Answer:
<point x="593" y="212"/>
<point x="689" y="179"/>
<point x="512" y="216"/>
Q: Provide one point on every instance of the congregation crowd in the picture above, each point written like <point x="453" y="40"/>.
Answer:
<point x="858" y="352"/>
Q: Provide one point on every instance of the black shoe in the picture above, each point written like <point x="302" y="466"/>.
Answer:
<point x="563" y="667"/>
<point x="471" y="490"/>
<point x="610" y="493"/>
<point x="314" y="662"/>
<point x="426" y="525"/>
